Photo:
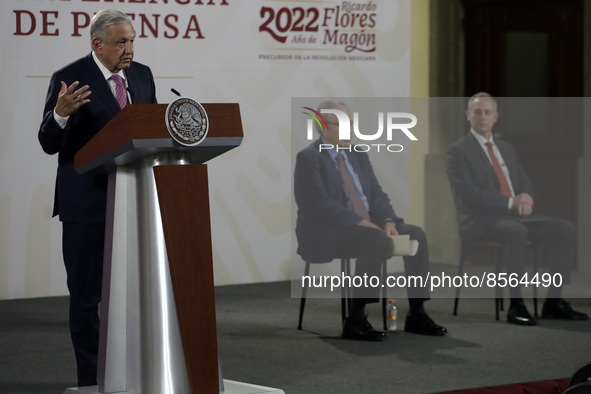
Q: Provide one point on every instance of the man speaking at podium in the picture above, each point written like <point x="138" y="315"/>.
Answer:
<point x="82" y="98"/>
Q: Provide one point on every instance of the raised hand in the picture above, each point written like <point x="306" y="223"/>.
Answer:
<point x="69" y="99"/>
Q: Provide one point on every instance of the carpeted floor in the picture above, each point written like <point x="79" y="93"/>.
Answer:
<point x="259" y="343"/>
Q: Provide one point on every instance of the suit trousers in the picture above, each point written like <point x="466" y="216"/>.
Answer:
<point x="515" y="234"/>
<point x="83" y="246"/>
<point x="369" y="245"/>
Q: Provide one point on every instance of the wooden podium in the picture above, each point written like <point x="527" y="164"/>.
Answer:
<point x="158" y="326"/>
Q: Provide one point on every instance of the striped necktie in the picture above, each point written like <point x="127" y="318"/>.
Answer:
<point x="354" y="196"/>
<point x="120" y="92"/>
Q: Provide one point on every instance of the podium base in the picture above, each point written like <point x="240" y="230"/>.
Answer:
<point x="230" y="387"/>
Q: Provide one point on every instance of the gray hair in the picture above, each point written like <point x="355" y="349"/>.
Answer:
<point x="103" y="19"/>
<point x="482" y="94"/>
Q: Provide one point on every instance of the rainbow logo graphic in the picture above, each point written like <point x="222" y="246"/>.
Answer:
<point x="317" y="117"/>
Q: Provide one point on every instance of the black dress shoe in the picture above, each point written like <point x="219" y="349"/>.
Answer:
<point x="359" y="329"/>
<point x="558" y="308"/>
<point x="421" y="323"/>
<point x="519" y="315"/>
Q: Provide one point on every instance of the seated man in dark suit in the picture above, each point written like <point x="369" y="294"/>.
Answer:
<point x="494" y="199"/>
<point x="342" y="211"/>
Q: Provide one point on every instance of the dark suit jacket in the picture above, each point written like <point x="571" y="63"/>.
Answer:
<point x="82" y="198"/>
<point x="322" y="201"/>
<point x="475" y="186"/>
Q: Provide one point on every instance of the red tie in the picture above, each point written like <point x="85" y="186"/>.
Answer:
<point x="505" y="188"/>
<point x="356" y="201"/>
<point x="121" y="94"/>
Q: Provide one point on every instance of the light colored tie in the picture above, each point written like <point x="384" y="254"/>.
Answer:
<point x="356" y="201"/>
<point x="505" y="188"/>
<point x="120" y="92"/>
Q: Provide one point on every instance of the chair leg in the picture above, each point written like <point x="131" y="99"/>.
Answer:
<point x="460" y="272"/>
<point x="535" y="287"/>
<point x="350" y="291"/>
<point x="384" y="294"/>
<point x="497" y="305"/>
<point x="303" y="299"/>
<point x="498" y="261"/>
<point x="345" y="293"/>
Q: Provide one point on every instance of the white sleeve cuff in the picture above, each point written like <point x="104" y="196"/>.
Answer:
<point x="61" y="121"/>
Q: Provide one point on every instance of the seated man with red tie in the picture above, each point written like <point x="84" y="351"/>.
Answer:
<point x="494" y="198"/>
<point x="342" y="211"/>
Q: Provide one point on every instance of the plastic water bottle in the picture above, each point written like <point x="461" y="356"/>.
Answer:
<point x="392" y="316"/>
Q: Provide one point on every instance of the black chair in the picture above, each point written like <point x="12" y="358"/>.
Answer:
<point x="581" y="388"/>
<point x="496" y="249"/>
<point x="582" y="375"/>
<point x="345" y="292"/>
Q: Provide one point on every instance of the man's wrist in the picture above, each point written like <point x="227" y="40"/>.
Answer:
<point x="60" y="120"/>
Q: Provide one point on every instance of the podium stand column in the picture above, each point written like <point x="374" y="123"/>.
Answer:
<point x="158" y="329"/>
<point x="163" y="368"/>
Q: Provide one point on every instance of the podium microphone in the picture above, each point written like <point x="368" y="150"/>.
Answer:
<point x="175" y="91"/>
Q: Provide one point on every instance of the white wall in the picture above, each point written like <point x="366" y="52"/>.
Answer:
<point x="251" y="186"/>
